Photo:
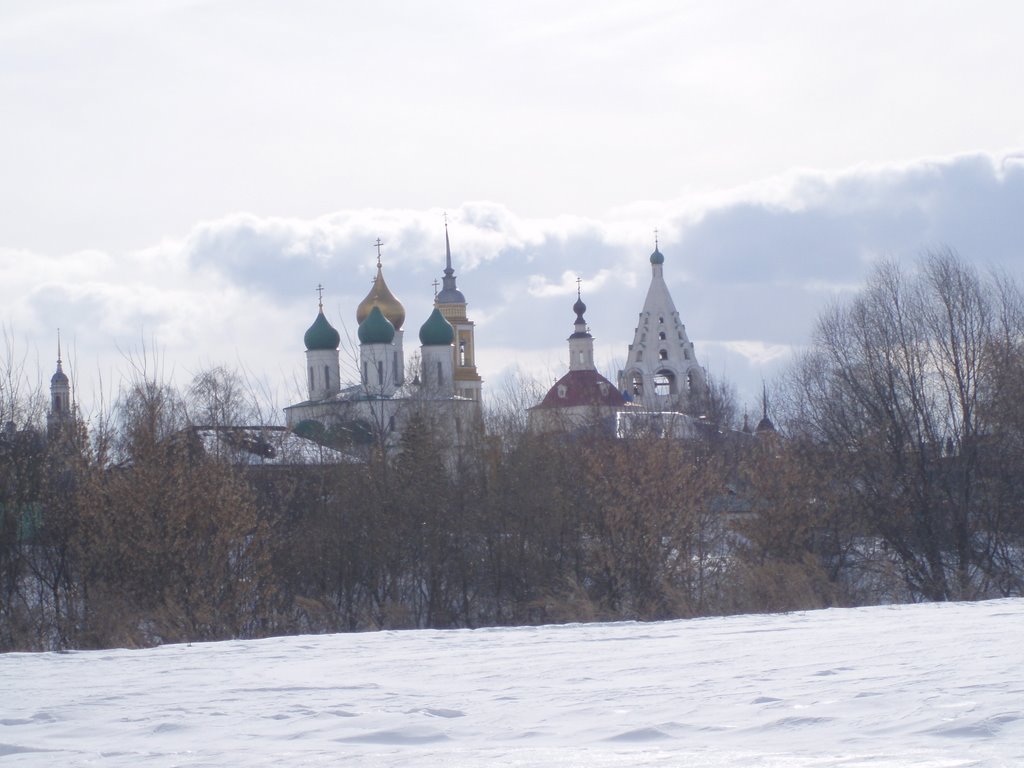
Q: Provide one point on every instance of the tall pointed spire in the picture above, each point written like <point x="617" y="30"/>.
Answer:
<point x="765" y="424"/>
<point x="448" y="271"/>
<point x="450" y="294"/>
<point x="59" y="377"/>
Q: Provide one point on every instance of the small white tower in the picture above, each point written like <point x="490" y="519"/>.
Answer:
<point x="322" y="364"/>
<point x="437" y="374"/>
<point x="581" y="343"/>
<point x="377" y="359"/>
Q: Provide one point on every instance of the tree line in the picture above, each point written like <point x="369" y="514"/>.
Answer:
<point x="894" y="475"/>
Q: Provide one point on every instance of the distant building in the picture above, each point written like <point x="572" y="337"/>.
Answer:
<point x="582" y="398"/>
<point x="445" y="391"/>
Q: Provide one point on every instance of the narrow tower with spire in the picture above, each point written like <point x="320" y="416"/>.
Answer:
<point x="60" y="398"/>
<point x="452" y="304"/>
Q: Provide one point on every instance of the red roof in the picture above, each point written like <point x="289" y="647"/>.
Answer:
<point x="582" y="388"/>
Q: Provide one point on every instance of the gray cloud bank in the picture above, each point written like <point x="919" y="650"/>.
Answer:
<point x="749" y="270"/>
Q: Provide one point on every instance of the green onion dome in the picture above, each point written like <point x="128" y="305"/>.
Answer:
<point x="376" y="329"/>
<point x="436" y="332"/>
<point x="657" y="258"/>
<point x="321" y="335"/>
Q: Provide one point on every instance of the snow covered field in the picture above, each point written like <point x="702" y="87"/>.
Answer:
<point x="926" y="685"/>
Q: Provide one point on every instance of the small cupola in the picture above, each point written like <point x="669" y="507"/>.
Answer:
<point x="376" y="328"/>
<point x="437" y="332"/>
<point x="321" y="335"/>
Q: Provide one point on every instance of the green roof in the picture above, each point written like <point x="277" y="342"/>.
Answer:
<point x="376" y="329"/>
<point x="321" y="335"/>
<point x="436" y="332"/>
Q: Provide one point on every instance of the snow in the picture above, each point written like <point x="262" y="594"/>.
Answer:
<point x="938" y="685"/>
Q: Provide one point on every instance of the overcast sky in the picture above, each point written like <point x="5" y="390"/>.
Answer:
<point x="183" y="174"/>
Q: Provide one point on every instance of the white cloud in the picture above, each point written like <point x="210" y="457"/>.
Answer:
<point x="749" y="271"/>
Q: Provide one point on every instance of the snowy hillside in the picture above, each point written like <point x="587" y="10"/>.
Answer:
<point x="927" y="685"/>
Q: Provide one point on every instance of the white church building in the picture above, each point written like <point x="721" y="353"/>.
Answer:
<point x="446" y="390"/>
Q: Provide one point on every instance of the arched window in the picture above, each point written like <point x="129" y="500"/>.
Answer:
<point x="312" y="383"/>
<point x="663" y="354"/>
<point x="639" y="355"/>
<point x="636" y="384"/>
<point x="327" y="377"/>
<point x="664" y="383"/>
<point x="380" y="372"/>
<point x="661" y="335"/>
<point x="686" y="354"/>
<point x="440" y="375"/>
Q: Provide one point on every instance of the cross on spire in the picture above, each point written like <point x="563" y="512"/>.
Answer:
<point x="320" y="294"/>
<point x="379" y="243"/>
<point x="58" y="347"/>
<point x="435" y="287"/>
<point x="579" y="281"/>
<point x="655" y="238"/>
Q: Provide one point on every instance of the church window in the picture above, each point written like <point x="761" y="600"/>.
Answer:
<point x="366" y="379"/>
<point x="327" y="377"/>
<point x="562" y="391"/>
<point x="663" y="354"/>
<point x="661" y="335"/>
<point x="462" y="352"/>
<point x="661" y="319"/>
<point x="391" y="424"/>
<point x="686" y="354"/>
<point x="689" y="382"/>
<point x="312" y="384"/>
<point x="440" y="375"/>
<point x="639" y="355"/>
<point x="380" y="372"/>
<point x="643" y="337"/>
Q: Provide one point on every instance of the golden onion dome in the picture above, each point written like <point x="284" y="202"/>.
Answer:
<point x="381" y="296"/>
